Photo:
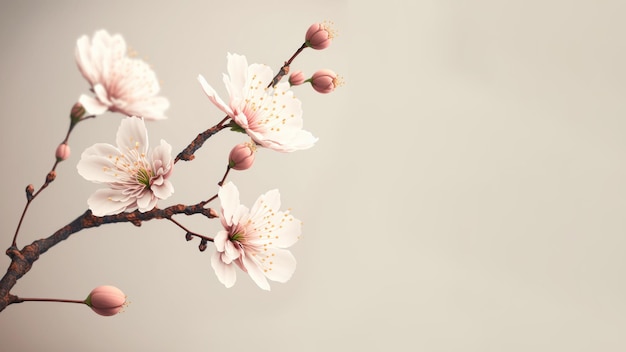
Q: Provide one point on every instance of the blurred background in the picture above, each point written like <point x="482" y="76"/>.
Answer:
<point x="466" y="194"/>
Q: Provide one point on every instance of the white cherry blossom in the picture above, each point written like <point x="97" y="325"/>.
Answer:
<point x="255" y="240"/>
<point x="272" y="117"/>
<point x="137" y="176"/>
<point x="119" y="83"/>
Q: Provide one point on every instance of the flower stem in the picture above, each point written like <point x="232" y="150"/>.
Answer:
<point x="49" y="178"/>
<point x="221" y="183"/>
<point x="285" y="68"/>
<point x="20" y="300"/>
<point x="189" y="231"/>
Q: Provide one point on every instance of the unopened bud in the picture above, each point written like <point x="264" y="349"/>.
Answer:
<point x="188" y="236"/>
<point x="319" y="35"/>
<point x="63" y="152"/>
<point x="203" y="245"/>
<point x="29" y="192"/>
<point x="213" y="213"/>
<point x="242" y="156"/>
<point x="325" y="81"/>
<point x="296" y="78"/>
<point x="77" y="112"/>
<point x="106" y="300"/>
<point x="51" y="176"/>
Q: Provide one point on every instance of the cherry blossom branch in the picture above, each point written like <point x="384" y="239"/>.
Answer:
<point x="30" y="196"/>
<point x="187" y="153"/>
<point x="23" y="260"/>
<point x="285" y="68"/>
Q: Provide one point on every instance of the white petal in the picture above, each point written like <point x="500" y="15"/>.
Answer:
<point x="163" y="153"/>
<point x="240" y="213"/>
<point x="255" y="273"/>
<point x="236" y="81"/>
<point x="96" y="160"/>
<point x="146" y="201"/>
<point x="231" y="251"/>
<point x="280" y="265"/>
<point x="102" y="95"/>
<point x="82" y="54"/>
<point x="266" y="203"/>
<point x="163" y="191"/>
<point x="225" y="272"/>
<point x="287" y="230"/>
<point x="92" y="105"/>
<point x="116" y="51"/>
<point x="220" y="240"/>
<point x="132" y="135"/>
<point x="150" y="108"/>
<point x="214" y="98"/>
<point x="108" y="202"/>
<point x="229" y="200"/>
<point x="259" y="76"/>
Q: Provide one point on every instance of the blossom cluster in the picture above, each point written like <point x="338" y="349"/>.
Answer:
<point x="137" y="177"/>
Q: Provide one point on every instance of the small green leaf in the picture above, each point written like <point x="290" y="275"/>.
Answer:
<point x="235" y="127"/>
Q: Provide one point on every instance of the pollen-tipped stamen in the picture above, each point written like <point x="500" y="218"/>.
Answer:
<point x="144" y="176"/>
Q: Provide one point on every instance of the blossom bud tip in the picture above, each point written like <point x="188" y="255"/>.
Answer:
<point x="63" y="152"/>
<point x="320" y="35"/>
<point x="296" y="78"/>
<point x="106" y="300"/>
<point x="325" y="81"/>
<point x="242" y="156"/>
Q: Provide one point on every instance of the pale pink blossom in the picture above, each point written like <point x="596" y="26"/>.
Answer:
<point x="272" y="117"/>
<point x="119" y="83"/>
<point x="106" y="300"/>
<point x="137" y="176"/>
<point x="255" y="240"/>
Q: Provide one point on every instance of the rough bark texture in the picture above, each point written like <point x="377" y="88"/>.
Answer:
<point x="22" y="260"/>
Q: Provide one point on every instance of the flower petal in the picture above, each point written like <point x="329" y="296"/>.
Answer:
<point x="82" y="54"/>
<point x="146" y="201"/>
<point x="132" y="136"/>
<point x="96" y="162"/>
<point x="92" y="105"/>
<point x="151" y="108"/>
<point x="287" y="230"/>
<point x="255" y="273"/>
<point x="237" y="66"/>
<point x="164" y="190"/>
<point x="229" y="200"/>
<point x="108" y="202"/>
<point x="220" y="240"/>
<point x="213" y="97"/>
<point x="281" y="265"/>
<point x="226" y="273"/>
<point x="266" y="203"/>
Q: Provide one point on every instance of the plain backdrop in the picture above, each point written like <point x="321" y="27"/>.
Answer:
<point x="467" y="192"/>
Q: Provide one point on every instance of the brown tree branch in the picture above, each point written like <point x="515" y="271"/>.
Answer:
<point x="22" y="260"/>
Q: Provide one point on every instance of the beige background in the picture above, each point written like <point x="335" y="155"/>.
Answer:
<point x="467" y="192"/>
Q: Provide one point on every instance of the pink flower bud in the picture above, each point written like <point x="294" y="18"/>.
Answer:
<point x="106" y="300"/>
<point x="325" y="81"/>
<point x="242" y="156"/>
<point x="63" y="152"/>
<point x="319" y="36"/>
<point x="296" y="78"/>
